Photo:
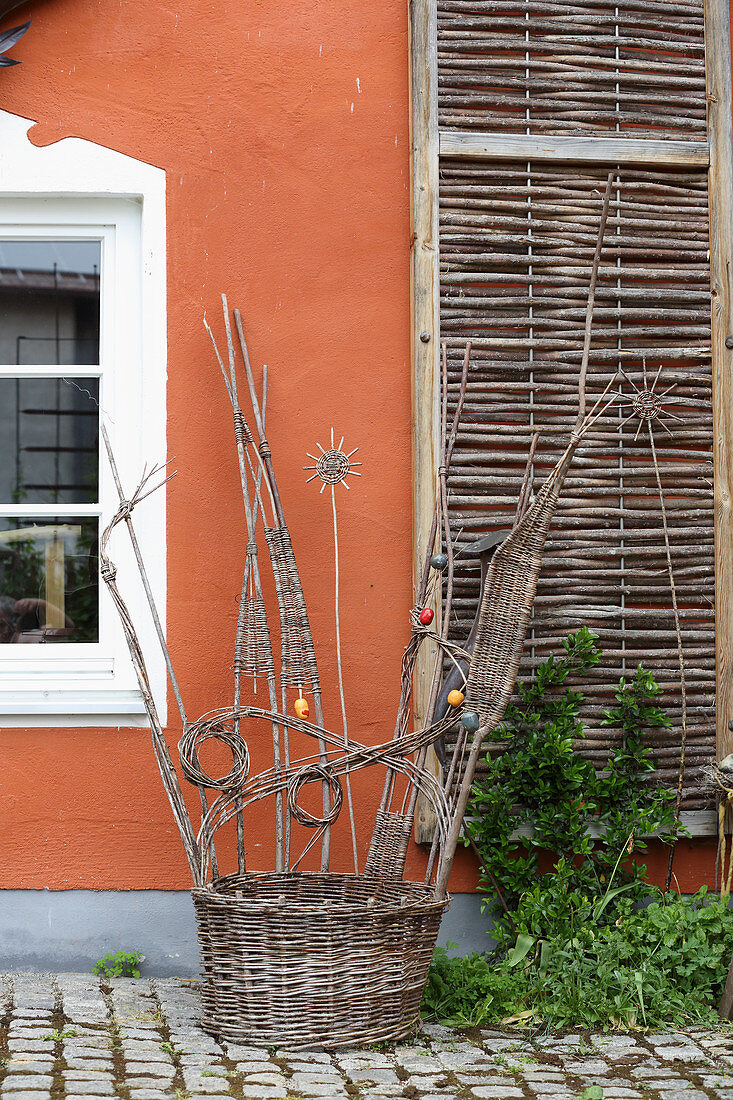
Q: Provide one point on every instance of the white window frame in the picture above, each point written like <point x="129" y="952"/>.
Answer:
<point x="76" y="190"/>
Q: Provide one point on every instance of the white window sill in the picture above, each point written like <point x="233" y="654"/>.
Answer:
<point x="58" y="706"/>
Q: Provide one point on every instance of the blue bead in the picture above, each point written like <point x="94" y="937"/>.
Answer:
<point x="470" y="720"/>
<point x="439" y="561"/>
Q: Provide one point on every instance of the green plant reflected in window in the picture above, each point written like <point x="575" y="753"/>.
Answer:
<point x="49" y="587"/>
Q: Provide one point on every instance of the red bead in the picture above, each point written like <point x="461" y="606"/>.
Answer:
<point x="426" y="616"/>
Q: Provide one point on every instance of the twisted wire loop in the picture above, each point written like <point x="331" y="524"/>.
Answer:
<point x="394" y="754"/>
<point x="214" y="728"/>
<point x="242" y="433"/>
<point x="253" y="649"/>
<point x="314" y="773"/>
<point x="298" y="657"/>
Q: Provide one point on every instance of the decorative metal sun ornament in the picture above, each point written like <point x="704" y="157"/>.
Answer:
<point x="333" y="466"/>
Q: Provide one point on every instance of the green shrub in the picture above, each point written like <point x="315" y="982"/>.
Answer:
<point x="659" y="965"/>
<point x="539" y="796"/>
<point x="587" y="943"/>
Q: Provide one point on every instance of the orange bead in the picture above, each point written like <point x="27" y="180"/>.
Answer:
<point x="301" y="708"/>
<point x="455" y="698"/>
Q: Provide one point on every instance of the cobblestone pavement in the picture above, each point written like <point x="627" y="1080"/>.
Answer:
<point x="68" y="1036"/>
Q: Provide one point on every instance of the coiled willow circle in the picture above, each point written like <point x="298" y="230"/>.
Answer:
<point x="647" y="405"/>
<point x="333" y="466"/>
<point x="314" y="773"/>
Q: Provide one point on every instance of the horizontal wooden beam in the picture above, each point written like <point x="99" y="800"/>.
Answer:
<point x="568" y="150"/>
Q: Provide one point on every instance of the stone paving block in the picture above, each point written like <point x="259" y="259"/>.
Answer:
<point x="100" y="1087"/>
<point x="30" y="1095"/>
<point x="158" y="1084"/>
<point x="691" y="1055"/>
<point x="274" y="1078"/>
<point x="425" y="1064"/>
<point x="264" y="1092"/>
<point x="682" y="1094"/>
<point x="39" y="1059"/>
<point x="78" y="1096"/>
<point x="208" y="1085"/>
<point x="86" y="1036"/>
<point x="154" y="1070"/>
<point x="88" y="1063"/>
<point x="496" y="1092"/>
<point x="318" y="1090"/>
<point x="556" y="1094"/>
<point x="380" y="1076"/>
<point x="149" y="1094"/>
<point x="41" y="1046"/>
<point x="313" y="1067"/>
<point x="24" y="1082"/>
<point x="484" y="1079"/>
<point x="87" y="1075"/>
<point x="316" y="1055"/>
<point x="239" y="1053"/>
<point x="371" y="1060"/>
<point x="376" y="1096"/>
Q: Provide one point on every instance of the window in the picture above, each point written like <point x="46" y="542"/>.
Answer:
<point x="82" y="313"/>
<point x="49" y="441"/>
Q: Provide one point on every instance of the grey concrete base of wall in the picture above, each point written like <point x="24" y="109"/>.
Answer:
<point x="68" y="930"/>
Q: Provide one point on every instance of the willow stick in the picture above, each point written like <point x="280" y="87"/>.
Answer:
<point x="349" y="799"/>
<point x="157" y="623"/>
<point x="255" y="573"/>
<point x="160" y="745"/>
<point x="680" y="657"/>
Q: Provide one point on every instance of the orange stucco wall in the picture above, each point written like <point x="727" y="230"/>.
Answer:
<point x="283" y="129"/>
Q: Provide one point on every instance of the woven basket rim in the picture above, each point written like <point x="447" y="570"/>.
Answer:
<point x="418" y="896"/>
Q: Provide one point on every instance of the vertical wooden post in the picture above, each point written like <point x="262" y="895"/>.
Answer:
<point x="55" y="613"/>
<point x="718" y="63"/>
<point x="425" y="276"/>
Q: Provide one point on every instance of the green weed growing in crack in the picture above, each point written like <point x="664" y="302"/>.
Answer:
<point x="182" y="1094"/>
<point x="168" y="1048"/>
<point x="119" y="964"/>
<point x="57" y="1036"/>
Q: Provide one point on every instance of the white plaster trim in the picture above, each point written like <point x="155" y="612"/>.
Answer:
<point x="76" y="188"/>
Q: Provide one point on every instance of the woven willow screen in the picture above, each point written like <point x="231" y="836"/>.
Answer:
<point x="531" y="107"/>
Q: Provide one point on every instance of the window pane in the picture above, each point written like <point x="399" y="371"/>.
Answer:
<point x="49" y="440"/>
<point x="49" y="588"/>
<point x="49" y="302"/>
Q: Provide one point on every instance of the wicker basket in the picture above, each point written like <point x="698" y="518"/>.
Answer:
<point x="314" y="959"/>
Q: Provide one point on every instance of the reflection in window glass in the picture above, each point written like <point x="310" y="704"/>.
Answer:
<point x="49" y="302"/>
<point x="49" y="589"/>
<point x="49" y="440"/>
